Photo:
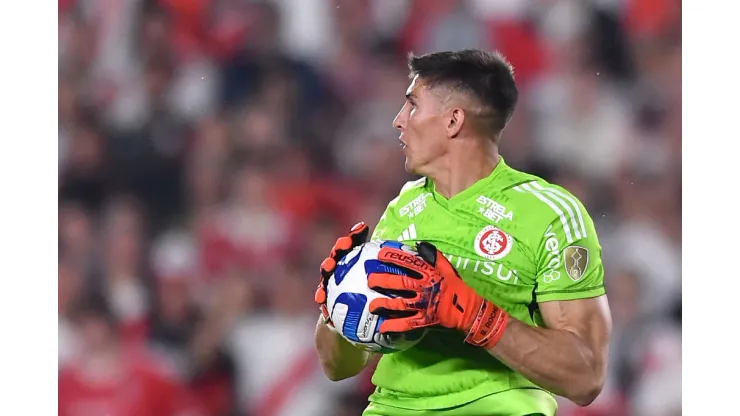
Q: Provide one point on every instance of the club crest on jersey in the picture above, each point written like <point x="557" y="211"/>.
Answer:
<point x="492" y="243"/>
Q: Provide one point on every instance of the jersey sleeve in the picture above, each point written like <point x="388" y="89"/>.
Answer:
<point x="569" y="257"/>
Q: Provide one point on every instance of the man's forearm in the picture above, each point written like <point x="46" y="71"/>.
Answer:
<point x="339" y="359"/>
<point x="557" y="360"/>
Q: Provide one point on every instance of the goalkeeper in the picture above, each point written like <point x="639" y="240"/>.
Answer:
<point x="516" y="307"/>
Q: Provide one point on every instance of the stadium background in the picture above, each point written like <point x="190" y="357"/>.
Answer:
<point x="210" y="152"/>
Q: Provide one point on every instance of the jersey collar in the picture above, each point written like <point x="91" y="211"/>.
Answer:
<point x="475" y="189"/>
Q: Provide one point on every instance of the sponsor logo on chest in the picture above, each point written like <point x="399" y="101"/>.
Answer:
<point x="493" y="210"/>
<point x="465" y="265"/>
<point x="491" y="243"/>
<point x="415" y="207"/>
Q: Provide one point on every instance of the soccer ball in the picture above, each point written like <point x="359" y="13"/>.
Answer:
<point x="349" y="297"/>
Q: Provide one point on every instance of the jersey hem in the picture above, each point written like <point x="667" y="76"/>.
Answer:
<point x="390" y="398"/>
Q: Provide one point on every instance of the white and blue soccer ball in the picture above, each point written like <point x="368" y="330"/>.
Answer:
<point x="349" y="297"/>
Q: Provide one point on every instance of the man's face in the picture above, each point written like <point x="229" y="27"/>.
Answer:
<point x="96" y="333"/>
<point x="422" y="125"/>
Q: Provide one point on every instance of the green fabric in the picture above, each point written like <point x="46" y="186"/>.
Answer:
<point x="519" y="402"/>
<point x="514" y="238"/>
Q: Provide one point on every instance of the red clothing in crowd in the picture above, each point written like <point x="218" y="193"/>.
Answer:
<point x="138" y="389"/>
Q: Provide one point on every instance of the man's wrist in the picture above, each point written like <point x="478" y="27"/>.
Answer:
<point x="488" y="326"/>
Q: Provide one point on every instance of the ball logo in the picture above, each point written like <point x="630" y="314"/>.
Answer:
<point x="492" y="243"/>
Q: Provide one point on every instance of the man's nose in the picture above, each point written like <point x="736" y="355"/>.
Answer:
<point x="399" y="122"/>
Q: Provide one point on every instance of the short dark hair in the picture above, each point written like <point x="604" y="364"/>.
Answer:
<point x="486" y="76"/>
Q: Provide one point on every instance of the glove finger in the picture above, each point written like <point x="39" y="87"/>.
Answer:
<point x="389" y="281"/>
<point x="320" y="295"/>
<point x="382" y="306"/>
<point x="342" y="246"/>
<point x="327" y="268"/>
<point x="406" y="260"/>
<point x="429" y="252"/>
<point x="397" y="325"/>
<point x="359" y="233"/>
<point x="433" y="256"/>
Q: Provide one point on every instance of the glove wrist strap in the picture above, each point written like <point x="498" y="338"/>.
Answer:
<point x="325" y="316"/>
<point x="488" y="326"/>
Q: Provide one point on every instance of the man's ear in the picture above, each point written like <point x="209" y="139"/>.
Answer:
<point x="455" y="122"/>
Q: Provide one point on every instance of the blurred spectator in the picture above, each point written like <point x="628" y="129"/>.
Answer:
<point x="642" y="243"/>
<point x="124" y="274"/>
<point x="279" y="375"/>
<point x="77" y="52"/>
<point x="582" y="124"/>
<point x="211" y="151"/>
<point x="106" y="378"/>
<point x="178" y="323"/>
<point x="250" y="231"/>
<point x="70" y="281"/>
<point x="658" y="387"/>
<point x="85" y="177"/>
<point x="76" y="235"/>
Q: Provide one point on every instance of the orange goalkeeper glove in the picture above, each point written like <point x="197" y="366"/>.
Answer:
<point x="357" y="236"/>
<point x="435" y="295"/>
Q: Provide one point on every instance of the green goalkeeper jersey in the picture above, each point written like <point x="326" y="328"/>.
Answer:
<point x="516" y="240"/>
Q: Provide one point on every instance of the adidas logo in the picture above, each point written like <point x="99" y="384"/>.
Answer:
<point x="408" y="234"/>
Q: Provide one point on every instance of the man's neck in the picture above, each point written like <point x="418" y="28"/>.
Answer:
<point x="464" y="165"/>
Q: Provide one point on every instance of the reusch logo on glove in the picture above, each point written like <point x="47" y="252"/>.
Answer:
<point x="409" y="259"/>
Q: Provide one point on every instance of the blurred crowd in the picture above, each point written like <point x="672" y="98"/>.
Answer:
<point x="211" y="151"/>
